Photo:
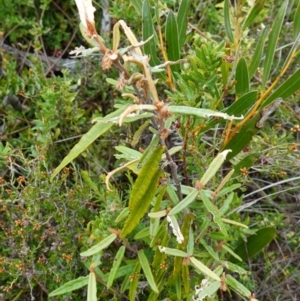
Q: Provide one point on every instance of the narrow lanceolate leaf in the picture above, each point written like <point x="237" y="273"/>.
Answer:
<point x="137" y="5"/>
<point x="173" y="252"/>
<point x="204" y="269"/>
<point x="172" y="41"/>
<point x="87" y="139"/>
<point x="100" y="246"/>
<point x="71" y="286"/>
<point x="148" y="31"/>
<point x="184" y="203"/>
<point x="227" y="23"/>
<point x="213" y="167"/>
<point x="116" y="265"/>
<point x="214" y="211"/>
<point x="143" y="191"/>
<point x="134" y="282"/>
<point x="258" y="53"/>
<point x="243" y="137"/>
<point x="92" y="288"/>
<point x="182" y="20"/>
<point x="185" y="276"/>
<point x="238" y="108"/>
<point x="204" y="113"/>
<point x="297" y="22"/>
<point x="147" y="270"/>
<point x="242" y="78"/>
<point x="237" y="286"/>
<point x="272" y="42"/>
<point x="209" y="291"/>
<point x="286" y="89"/>
<point x="254" y="12"/>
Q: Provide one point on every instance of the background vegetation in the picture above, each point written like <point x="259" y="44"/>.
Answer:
<point x="48" y="102"/>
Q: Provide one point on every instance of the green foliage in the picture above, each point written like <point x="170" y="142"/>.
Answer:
<point x="175" y="225"/>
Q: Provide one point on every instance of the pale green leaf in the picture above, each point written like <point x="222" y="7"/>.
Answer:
<point x="173" y="252"/>
<point x="214" y="211"/>
<point x="138" y="6"/>
<point x="297" y="22"/>
<point x="122" y="215"/>
<point x="70" y="286"/>
<point x="99" y="246"/>
<point x="227" y="249"/>
<point x="182" y="20"/>
<point x="203" y="113"/>
<point x="184" y="203"/>
<point x="142" y="234"/>
<point x="208" y="291"/>
<point x="227" y="23"/>
<point x="272" y="42"/>
<point x="258" y="53"/>
<point x="87" y="139"/>
<point x="254" y="12"/>
<point x="213" y="167"/>
<point x="147" y="270"/>
<point x="116" y="264"/>
<point x="204" y="269"/>
<point x="92" y="288"/>
<point x="237" y="286"/>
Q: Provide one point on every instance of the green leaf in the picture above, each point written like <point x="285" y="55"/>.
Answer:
<point x="242" y="78"/>
<point x="214" y="211"/>
<point x="143" y="191"/>
<point x="122" y="215"/>
<point x="185" y="277"/>
<point x="228" y="29"/>
<point x="204" y="113"/>
<point x="296" y="28"/>
<point x="182" y="20"/>
<point x="117" y="261"/>
<point x="209" y="290"/>
<point x="92" y="288"/>
<point x="70" y="286"/>
<point x="258" y="53"/>
<point x="286" y="89"/>
<point x="87" y="139"/>
<point x="184" y="203"/>
<point x="134" y="282"/>
<point x="100" y="246"/>
<point x="147" y="270"/>
<point x="148" y="31"/>
<point x="173" y="252"/>
<point x="237" y="286"/>
<point x="122" y="271"/>
<point x="204" y="269"/>
<point x="138" y="6"/>
<point x="254" y="12"/>
<point x="238" y="108"/>
<point x="273" y="38"/>
<point x="172" y="41"/>
<point x="243" y="137"/>
<point x="255" y="243"/>
<point x="210" y="250"/>
<point x="213" y="167"/>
